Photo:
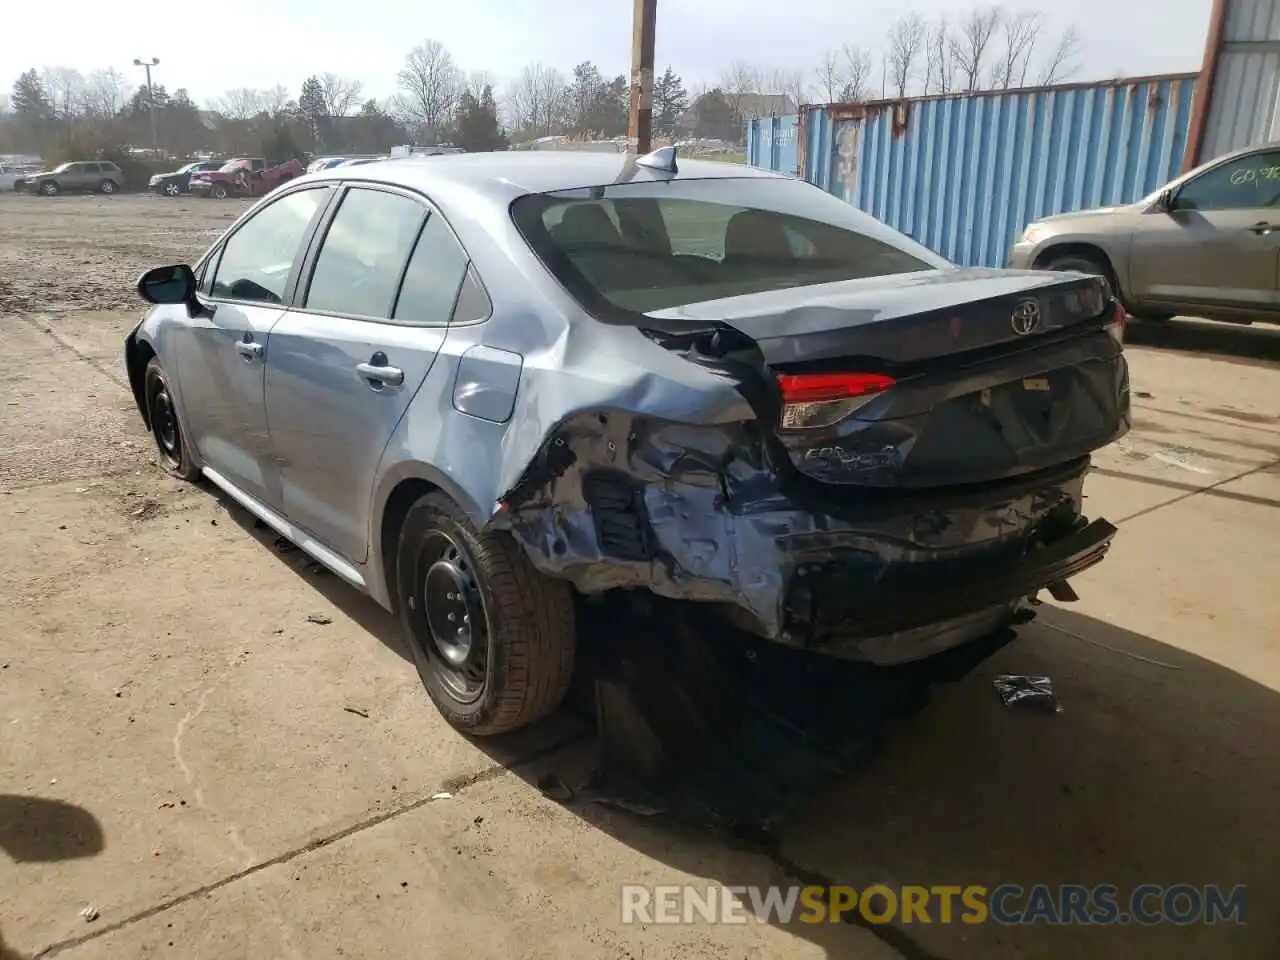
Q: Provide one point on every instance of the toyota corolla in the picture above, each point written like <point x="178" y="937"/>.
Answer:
<point x="480" y="387"/>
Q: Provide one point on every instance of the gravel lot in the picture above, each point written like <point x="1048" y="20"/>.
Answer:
<point x="226" y="754"/>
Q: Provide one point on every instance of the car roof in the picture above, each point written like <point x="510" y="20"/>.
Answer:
<point x="519" y="172"/>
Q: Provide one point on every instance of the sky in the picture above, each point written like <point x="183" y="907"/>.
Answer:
<point x="283" y="41"/>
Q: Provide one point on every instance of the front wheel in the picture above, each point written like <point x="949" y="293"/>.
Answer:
<point x="172" y="189"/>
<point x="492" y="638"/>
<point x="107" y="186"/>
<point x="49" y="189"/>
<point x="162" y="414"/>
<point x="219" y="191"/>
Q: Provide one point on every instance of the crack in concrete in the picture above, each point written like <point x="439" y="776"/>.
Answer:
<point x="1199" y="490"/>
<point x="91" y="361"/>
<point x="489" y="773"/>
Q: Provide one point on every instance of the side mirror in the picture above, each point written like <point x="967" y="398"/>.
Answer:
<point x="1165" y="201"/>
<point x="176" y="284"/>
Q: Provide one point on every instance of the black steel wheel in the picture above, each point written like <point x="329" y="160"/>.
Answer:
<point x="492" y="638"/>
<point x="162" y="415"/>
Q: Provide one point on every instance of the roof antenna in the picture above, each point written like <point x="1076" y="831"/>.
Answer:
<point x="664" y="159"/>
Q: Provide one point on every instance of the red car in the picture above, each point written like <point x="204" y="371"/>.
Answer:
<point x="244" y="177"/>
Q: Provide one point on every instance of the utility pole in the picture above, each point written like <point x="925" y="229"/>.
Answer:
<point x="151" y="98"/>
<point x="644" y="29"/>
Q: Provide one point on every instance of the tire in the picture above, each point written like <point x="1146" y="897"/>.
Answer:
<point x="50" y="188"/>
<point x="172" y="188"/>
<point x="514" y="663"/>
<point x="107" y="187"/>
<point x="162" y="414"/>
<point x="219" y="191"/>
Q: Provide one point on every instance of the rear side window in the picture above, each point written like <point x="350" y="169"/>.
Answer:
<point x="631" y="249"/>
<point x="257" y="259"/>
<point x="434" y="275"/>
<point x="364" y="254"/>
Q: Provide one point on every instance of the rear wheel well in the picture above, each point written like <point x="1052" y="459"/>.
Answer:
<point x="137" y="355"/>
<point x="403" y="496"/>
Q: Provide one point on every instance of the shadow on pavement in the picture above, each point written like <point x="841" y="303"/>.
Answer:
<point x="1255" y="344"/>
<point x="1163" y="768"/>
<point x="39" y="830"/>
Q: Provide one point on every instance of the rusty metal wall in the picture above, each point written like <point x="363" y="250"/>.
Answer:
<point x="1242" y="78"/>
<point x="965" y="174"/>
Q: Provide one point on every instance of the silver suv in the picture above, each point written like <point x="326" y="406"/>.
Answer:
<point x="79" y="176"/>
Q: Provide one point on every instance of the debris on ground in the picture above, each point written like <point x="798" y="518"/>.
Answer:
<point x="283" y="545"/>
<point x="90" y="913"/>
<point x="147" y="509"/>
<point x="319" y="618"/>
<point x="1030" y="693"/>
<point x="442" y="796"/>
<point x="358" y="712"/>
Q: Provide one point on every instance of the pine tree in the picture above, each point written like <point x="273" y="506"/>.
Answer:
<point x="478" y="129"/>
<point x="670" y="100"/>
<point x="30" y="99"/>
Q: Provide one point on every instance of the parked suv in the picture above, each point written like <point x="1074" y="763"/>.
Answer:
<point x="1206" y="244"/>
<point x="79" y="176"/>
<point x="176" y="183"/>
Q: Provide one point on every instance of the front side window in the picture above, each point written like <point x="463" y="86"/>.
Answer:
<point x="364" y="254"/>
<point x="431" y="282"/>
<point x="258" y="258"/>
<point x="1241" y="184"/>
<point x="630" y="249"/>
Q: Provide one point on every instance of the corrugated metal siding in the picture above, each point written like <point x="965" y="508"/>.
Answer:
<point x="965" y="174"/>
<point x="1243" y="106"/>
<point x="771" y="143"/>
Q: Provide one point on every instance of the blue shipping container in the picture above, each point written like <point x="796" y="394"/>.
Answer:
<point x="964" y="174"/>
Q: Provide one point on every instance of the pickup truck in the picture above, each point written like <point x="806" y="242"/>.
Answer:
<point x="244" y="177"/>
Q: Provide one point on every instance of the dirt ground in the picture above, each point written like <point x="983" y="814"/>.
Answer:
<point x="224" y="753"/>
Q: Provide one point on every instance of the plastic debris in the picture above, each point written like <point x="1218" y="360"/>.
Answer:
<point x="90" y="913"/>
<point x="442" y="796"/>
<point x="1030" y="693"/>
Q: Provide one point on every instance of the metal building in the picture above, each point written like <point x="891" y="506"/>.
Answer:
<point x="1238" y="95"/>
<point x="964" y="174"/>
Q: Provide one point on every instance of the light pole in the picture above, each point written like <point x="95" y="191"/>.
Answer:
<point x="151" y="97"/>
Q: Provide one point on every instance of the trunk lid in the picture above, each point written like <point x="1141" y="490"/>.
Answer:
<point x="934" y="379"/>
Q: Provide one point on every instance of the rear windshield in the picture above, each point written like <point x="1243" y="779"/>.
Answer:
<point x="629" y="249"/>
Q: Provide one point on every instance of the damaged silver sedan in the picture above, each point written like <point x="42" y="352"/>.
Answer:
<point x="484" y="386"/>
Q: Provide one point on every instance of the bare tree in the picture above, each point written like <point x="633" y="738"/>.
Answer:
<point x="242" y="103"/>
<point x="431" y="83"/>
<point x="906" y="40"/>
<point x="940" y="64"/>
<point x="341" y="96"/>
<point x="739" y="80"/>
<point x="1061" y="63"/>
<point x="106" y="92"/>
<point x="789" y="82"/>
<point x="855" y="78"/>
<point x="828" y="72"/>
<point x="970" y="43"/>
<point x="538" y="100"/>
<point x="274" y="101"/>
<point x="66" y="88"/>
<point x="477" y="80"/>
<point x="1019" y="36"/>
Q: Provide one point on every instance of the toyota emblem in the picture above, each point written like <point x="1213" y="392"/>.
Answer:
<point x="1026" y="317"/>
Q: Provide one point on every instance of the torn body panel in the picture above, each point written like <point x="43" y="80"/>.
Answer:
<point x="701" y="513"/>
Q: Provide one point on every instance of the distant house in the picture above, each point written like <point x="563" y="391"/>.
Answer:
<point x="750" y="106"/>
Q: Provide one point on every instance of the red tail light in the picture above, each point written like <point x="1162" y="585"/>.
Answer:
<point x="821" y="399"/>
<point x="1116" y="326"/>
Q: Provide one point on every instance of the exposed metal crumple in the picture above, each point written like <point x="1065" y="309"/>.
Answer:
<point x="697" y="513"/>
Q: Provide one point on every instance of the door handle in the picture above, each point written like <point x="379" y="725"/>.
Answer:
<point x="1262" y="228"/>
<point x="381" y="374"/>
<point x="248" y="349"/>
